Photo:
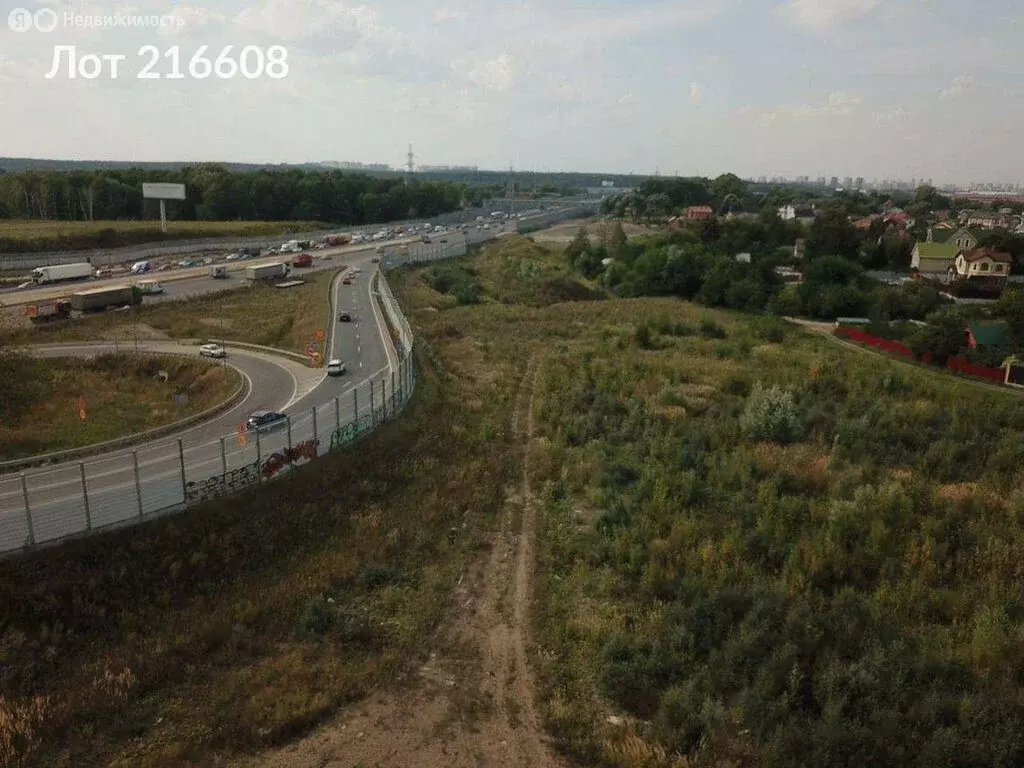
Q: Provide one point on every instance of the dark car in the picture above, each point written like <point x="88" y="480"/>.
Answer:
<point x="263" y="421"/>
<point x="345" y="317"/>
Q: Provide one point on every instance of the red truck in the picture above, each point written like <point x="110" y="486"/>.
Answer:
<point x="303" y="260"/>
<point x="49" y="312"/>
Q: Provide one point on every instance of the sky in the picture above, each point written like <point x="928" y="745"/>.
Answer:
<point x="895" y="89"/>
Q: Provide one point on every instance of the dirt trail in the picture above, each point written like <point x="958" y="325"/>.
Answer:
<point x="473" y="702"/>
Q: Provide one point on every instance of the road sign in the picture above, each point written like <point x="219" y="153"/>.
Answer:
<point x="243" y="434"/>
<point x="81" y="408"/>
<point x="310" y="350"/>
<point x="318" y="359"/>
<point x="320" y="335"/>
<point x="315" y="345"/>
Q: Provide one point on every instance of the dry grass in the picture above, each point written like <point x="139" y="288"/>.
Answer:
<point x="563" y="233"/>
<point x="123" y="396"/>
<point x="284" y="318"/>
<point x="30" y="235"/>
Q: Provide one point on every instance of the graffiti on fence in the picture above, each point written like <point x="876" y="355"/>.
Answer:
<point x="347" y="434"/>
<point x="222" y="485"/>
<point x="288" y="457"/>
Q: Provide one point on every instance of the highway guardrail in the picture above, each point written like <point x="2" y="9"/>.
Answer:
<point x="240" y="393"/>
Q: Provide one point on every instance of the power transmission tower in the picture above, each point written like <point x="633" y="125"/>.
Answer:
<point x="409" y="165"/>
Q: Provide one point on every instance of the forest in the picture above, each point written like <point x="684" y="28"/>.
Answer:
<point x="214" y="193"/>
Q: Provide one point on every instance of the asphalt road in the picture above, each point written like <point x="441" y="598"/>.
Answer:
<point x="115" y="493"/>
<point x="125" y="484"/>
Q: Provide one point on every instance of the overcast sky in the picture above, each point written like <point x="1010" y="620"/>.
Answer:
<point x="873" y="88"/>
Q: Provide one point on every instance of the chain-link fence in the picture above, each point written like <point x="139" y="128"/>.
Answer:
<point x="129" y="486"/>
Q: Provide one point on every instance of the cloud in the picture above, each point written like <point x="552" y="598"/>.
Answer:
<point x="838" y="103"/>
<point x="957" y="87"/>
<point x="818" y="15"/>
<point x="496" y="74"/>
<point x="696" y="93"/>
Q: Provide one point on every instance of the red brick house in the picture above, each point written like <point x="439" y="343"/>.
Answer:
<point x="699" y="213"/>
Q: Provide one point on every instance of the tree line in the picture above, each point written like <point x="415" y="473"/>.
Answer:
<point x="214" y="193"/>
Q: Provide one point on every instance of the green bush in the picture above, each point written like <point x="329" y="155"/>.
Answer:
<point x="771" y="414"/>
<point x="709" y="329"/>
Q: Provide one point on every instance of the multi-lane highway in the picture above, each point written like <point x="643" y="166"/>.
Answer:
<point x="80" y="495"/>
<point x="216" y="458"/>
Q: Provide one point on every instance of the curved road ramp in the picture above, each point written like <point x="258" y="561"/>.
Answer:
<point x="46" y="506"/>
<point x="49" y="505"/>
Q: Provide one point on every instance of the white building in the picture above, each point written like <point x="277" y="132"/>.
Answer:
<point x="787" y="212"/>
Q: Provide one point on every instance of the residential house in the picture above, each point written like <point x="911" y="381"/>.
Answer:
<point x="798" y="248"/>
<point x="699" y="213"/>
<point x="787" y="213"/>
<point x="981" y="262"/>
<point x="963" y="239"/>
<point x="933" y="259"/>
<point x="743" y="258"/>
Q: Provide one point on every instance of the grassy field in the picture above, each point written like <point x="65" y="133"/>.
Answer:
<point x="31" y="236"/>
<point x="563" y="233"/>
<point x="757" y="549"/>
<point x="284" y="318"/>
<point x="122" y="396"/>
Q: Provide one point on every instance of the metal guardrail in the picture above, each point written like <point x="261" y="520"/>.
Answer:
<point x="240" y="392"/>
<point x="72" y="499"/>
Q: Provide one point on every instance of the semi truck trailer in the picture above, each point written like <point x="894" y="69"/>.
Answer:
<point x="99" y="299"/>
<point x="267" y="271"/>
<point x="60" y="272"/>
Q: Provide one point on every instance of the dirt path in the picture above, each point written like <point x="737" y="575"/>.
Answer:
<point x="473" y="702"/>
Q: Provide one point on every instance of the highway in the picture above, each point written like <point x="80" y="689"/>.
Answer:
<point x="115" y="493"/>
<point x="214" y="458"/>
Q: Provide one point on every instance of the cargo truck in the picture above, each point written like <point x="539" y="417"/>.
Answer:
<point x="49" y="312"/>
<point x="98" y="299"/>
<point x="59" y="272"/>
<point x="219" y="272"/>
<point x="267" y="271"/>
<point x="334" y="240"/>
<point x="303" y="260"/>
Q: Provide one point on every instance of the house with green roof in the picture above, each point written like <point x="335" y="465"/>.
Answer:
<point x="964" y="239"/>
<point x="934" y="259"/>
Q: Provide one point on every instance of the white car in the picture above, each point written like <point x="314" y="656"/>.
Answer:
<point x="212" y="350"/>
<point x="335" y="368"/>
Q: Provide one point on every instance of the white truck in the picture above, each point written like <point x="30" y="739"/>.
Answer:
<point x="267" y="271"/>
<point x="60" y="272"/>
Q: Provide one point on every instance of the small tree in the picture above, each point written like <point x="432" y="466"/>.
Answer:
<point x="579" y="245"/>
<point x="771" y="414"/>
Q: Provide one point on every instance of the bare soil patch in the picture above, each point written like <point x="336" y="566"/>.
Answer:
<point x="472" y="703"/>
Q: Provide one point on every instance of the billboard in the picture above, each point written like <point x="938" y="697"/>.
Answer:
<point x="163" y="191"/>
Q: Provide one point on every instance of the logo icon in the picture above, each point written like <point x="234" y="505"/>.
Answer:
<point x="45" y="19"/>
<point x="22" y="20"/>
<point x="19" y="20"/>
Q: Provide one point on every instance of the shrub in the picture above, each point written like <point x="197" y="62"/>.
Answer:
<point x="643" y="337"/>
<point x="771" y="414"/>
<point x="709" y="329"/>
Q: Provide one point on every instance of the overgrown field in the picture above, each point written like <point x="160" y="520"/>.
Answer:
<point x="754" y="552"/>
<point x="287" y="318"/>
<point x="31" y="236"/>
<point x="123" y="395"/>
<point x="242" y="623"/>
<point x="759" y="549"/>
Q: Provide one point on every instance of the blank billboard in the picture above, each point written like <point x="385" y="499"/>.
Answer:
<point x="164" y="191"/>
